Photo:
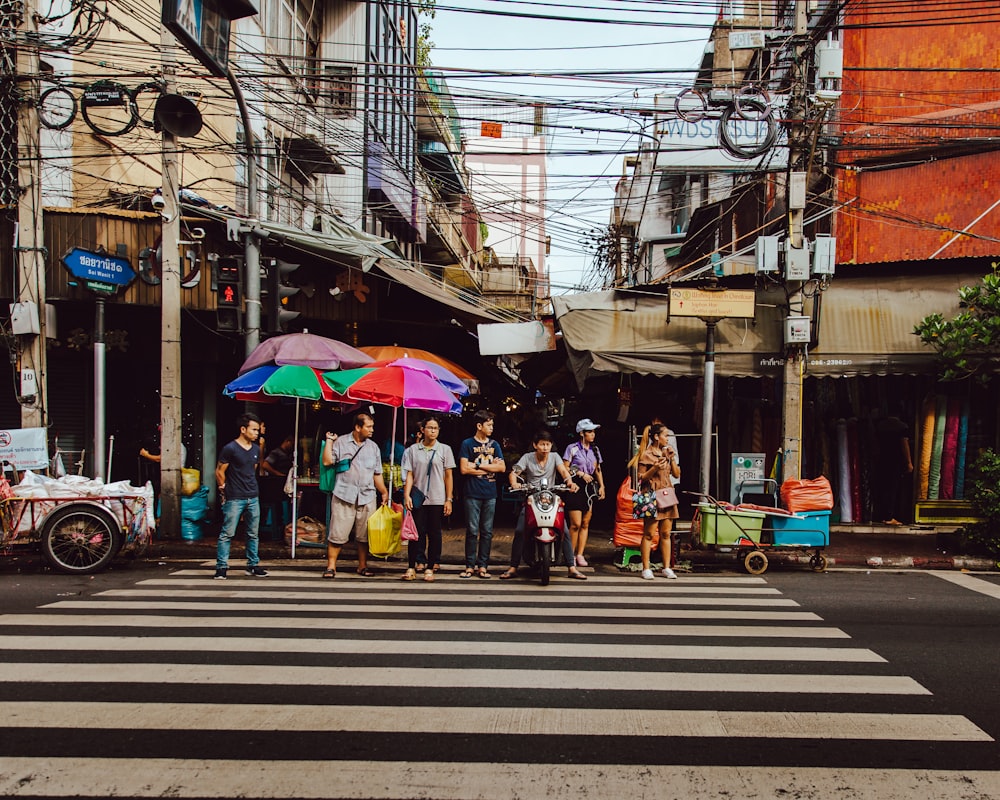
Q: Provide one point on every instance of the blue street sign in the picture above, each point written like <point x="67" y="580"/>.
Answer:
<point x="98" y="268"/>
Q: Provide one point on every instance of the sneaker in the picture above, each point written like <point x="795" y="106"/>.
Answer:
<point x="581" y="561"/>
<point x="220" y="574"/>
<point x="257" y="572"/>
<point x="669" y="573"/>
<point x="429" y="575"/>
<point x="647" y="574"/>
<point x="410" y="575"/>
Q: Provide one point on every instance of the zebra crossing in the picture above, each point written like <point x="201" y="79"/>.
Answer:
<point x="710" y="686"/>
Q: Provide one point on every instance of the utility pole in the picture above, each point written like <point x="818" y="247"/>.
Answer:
<point x="29" y="241"/>
<point x="170" y="313"/>
<point x="791" y="418"/>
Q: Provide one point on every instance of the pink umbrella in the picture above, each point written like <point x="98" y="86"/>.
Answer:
<point x="305" y="350"/>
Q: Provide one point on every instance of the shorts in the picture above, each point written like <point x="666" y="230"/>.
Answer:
<point x="578" y="501"/>
<point x="347" y="518"/>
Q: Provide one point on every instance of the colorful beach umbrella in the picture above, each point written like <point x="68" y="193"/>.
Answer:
<point x="305" y="350"/>
<point x="394" y="386"/>
<point x="443" y="375"/>
<point x="268" y="384"/>
<point x="389" y="352"/>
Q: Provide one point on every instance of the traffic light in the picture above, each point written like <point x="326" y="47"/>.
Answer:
<point x="229" y="298"/>
<point x="278" y="293"/>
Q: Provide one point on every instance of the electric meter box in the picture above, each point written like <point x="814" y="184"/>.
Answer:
<point x="796" y="261"/>
<point x="24" y="318"/>
<point x="797" y="330"/>
<point x="766" y="252"/>
<point x="829" y="60"/>
<point x="824" y="254"/>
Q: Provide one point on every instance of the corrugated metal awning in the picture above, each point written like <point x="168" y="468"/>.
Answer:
<point x="865" y="328"/>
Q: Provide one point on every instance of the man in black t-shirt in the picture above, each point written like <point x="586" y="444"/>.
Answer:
<point x="236" y="477"/>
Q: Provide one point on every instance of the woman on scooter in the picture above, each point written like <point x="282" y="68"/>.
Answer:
<point x="658" y="468"/>
<point x="530" y="470"/>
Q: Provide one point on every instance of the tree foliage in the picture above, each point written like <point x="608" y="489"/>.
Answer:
<point x="426" y="10"/>
<point x="969" y="344"/>
<point x="984" y="496"/>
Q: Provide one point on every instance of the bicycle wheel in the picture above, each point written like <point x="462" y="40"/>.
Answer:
<point x="80" y="539"/>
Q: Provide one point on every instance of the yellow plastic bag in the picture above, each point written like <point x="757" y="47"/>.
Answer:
<point x="190" y="481"/>
<point x="383" y="532"/>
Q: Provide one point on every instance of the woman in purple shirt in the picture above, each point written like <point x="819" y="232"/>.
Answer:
<point x="583" y="459"/>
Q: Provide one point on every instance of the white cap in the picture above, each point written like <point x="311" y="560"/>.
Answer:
<point x="586" y="425"/>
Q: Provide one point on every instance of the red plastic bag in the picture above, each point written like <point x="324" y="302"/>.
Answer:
<point x="807" y="495"/>
<point x="409" y="533"/>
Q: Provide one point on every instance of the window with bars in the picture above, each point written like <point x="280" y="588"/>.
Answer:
<point x="338" y="88"/>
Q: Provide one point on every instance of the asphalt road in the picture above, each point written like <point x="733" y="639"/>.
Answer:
<point x="152" y="679"/>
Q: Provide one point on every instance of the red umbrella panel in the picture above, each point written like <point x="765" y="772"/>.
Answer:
<point x="394" y="386"/>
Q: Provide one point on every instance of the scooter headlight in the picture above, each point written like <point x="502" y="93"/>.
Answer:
<point x="545" y="501"/>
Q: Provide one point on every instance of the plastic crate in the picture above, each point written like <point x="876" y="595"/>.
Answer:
<point x="805" y="529"/>
<point x="729" y="527"/>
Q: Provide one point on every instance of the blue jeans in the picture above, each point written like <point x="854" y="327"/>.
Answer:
<point x="478" y="531"/>
<point x="232" y="510"/>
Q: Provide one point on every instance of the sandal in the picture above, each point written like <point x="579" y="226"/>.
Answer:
<point x="436" y="567"/>
<point x="576" y="575"/>
<point x="510" y="573"/>
<point x="482" y="573"/>
<point x="421" y="567"/>
<point x="409" y="575"/>
<point x="429" y="575"/>
<point x="465" y="574"/>
<point x="330" y="573"/>
<point x="366" y="573"/>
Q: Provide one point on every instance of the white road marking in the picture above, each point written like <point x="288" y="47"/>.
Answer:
<point x="504" y="721"/>
<point x="254" y="644"/>
<point x="412" y="780"/>
<point x="969" y="582"/>
<point x="494" y="601"/>
<point x="331" y="607"/>
<point x="338" y="623"/>
<point x="580" y="680"/>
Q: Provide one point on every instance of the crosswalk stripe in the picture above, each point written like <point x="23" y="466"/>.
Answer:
<point x="387" y="780"/>
<point x="594" y="614"/>
<point x="254" y="644"/>
<point x="348" y="576"/>
<point x="235" y="624"/>
<point x="594" y="586"/>
<point x="493" y="600"/>
<point x="581" y="680"/>
<point x="511" y="721"/>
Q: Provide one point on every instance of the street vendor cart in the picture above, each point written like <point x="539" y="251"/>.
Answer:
<point x="78" y="534"/>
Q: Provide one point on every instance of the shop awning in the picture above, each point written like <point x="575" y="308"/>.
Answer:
<point x="412" y="277"/>
<point x="865" y="327"/>
<point x="346" y="246"/>
<point x="339" y="243"/>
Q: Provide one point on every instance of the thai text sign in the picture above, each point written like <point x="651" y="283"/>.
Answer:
<point x="24" y="448"/>
<point x="98" y="267"/>
<point x="715" y="304"/>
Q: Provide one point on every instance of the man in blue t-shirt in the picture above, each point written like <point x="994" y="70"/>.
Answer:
<point x="480" y="461"/>
<point x="236" y="477"/>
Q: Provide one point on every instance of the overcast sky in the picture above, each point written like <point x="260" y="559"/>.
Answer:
<point x="588" y="145"/>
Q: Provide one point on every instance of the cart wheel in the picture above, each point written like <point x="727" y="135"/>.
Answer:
<point x="755" y="562"/>
<point x="80" y="539"/>
<point x="818" y="563"/>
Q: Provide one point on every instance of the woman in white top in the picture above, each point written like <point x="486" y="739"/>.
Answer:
<point x="428" y="492"/>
